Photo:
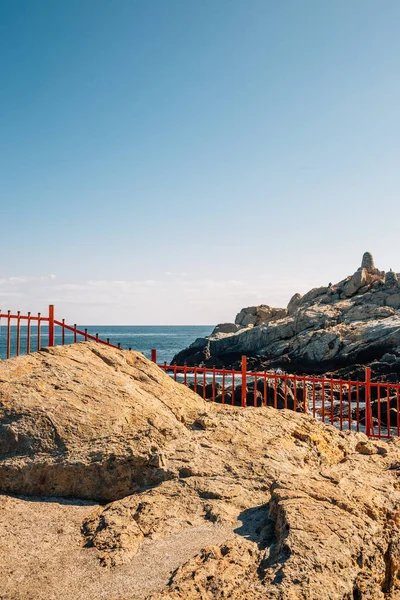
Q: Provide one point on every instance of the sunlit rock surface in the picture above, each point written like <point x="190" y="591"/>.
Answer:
<point x="204" y="501"/>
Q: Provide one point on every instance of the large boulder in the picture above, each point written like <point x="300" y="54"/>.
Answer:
<point x="85" y="421"/>
<point x="358" y="281"/>
<point x="367" y="263"/>
<point x="259" y="315"/>
<point x="226" y="328"/>
<point x="294" y="303"/>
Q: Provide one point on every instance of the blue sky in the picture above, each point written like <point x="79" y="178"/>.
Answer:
<point x="170" y="161"/>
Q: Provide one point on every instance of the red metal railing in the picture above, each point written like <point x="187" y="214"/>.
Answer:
<point x="370" y="407"/>
<point x="25" y="333"/>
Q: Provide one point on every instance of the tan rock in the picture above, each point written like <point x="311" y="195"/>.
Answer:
<point x="259" y="315"/>
<point x="86" y="422"/>
<point x="328" y="535"/>
<point x="358" y="280"/>
<point x="367" y="262"/>
<point x="223" y="328"/>
<point x="364" y="447"/>
<point x="294" y="304"/>
<point x="238" y="503"/>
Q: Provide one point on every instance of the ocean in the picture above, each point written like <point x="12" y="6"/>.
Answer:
<point x="166" y="339"/>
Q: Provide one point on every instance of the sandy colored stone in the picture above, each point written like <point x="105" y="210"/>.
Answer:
<point x="86" y="422"/>
<point x="258" y="315"/>
<point x="204" y="500"/>
<point x="43" y="554"/>
<point x="326" y="536"/>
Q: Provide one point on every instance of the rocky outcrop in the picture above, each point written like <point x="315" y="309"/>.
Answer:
<point x="237" y="503"/>
<point x="368" y="264"/>
<point x="356" y="321"/>
<point x="80" y="421"/>
<point x="226" y="328"/>
<point x="258" y="315"/>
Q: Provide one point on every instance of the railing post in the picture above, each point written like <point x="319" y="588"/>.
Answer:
<point x="9" y="334"/>
<point x="38" y="331"/>
<point x="368" y="415"/>
<point x="18" y="332"/>
<point x="28" y="335"/>
<point x="244" y="381"/>
<point x="51" y="325"/>
<point x="154" y="356"/>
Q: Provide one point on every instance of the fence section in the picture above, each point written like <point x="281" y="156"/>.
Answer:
<point x="372" y="408"/>
<point x="22" y="334"/>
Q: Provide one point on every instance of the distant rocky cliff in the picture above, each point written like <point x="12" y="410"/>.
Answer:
<point x="355" y="321"/>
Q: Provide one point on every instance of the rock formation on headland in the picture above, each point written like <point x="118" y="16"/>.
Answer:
<point x="205" y="501"/>
<point x="355" y="321"/>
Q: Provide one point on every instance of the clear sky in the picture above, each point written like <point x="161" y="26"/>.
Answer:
<point x="170" y="161"/>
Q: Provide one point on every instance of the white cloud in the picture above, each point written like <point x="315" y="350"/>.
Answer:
<point x="176" y="299"/>
<point x="10" y="294"/>
<point x="24" y="279"/>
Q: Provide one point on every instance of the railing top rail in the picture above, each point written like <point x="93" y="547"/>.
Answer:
<point x="85" y="334"/>
<point x="370" y="407"/>
<point x="15" y="322"/>
<point x="37" y="317"/>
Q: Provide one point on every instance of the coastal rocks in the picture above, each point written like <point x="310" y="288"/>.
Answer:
<point x="355" y="321"/>
<point x="258" y="315"/>
<point x="312" y="295"/>
<point x="365" y="312"/>
<point x="246" y="504"/>
<point x="226" y="328"/>
<point x="367" y="263"/>
<point x="358" y="280"/>
<point x="294" y="304"/>
<point x="207" y="391"/>
<point x="391" y="279"/>
<point x="389" y="358"/>
<point x="393" y="301"/>
<point x="262" y="393"/>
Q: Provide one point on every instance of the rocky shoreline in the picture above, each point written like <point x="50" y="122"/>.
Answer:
<point x="340" y="328"/>
<point x="116" y="482"/>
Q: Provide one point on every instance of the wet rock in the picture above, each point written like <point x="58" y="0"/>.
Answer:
<point x="389" y="358"/>
<point x="207" y="391"/>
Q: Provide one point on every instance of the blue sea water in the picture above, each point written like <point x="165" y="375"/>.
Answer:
<point x="166" y="339"/>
